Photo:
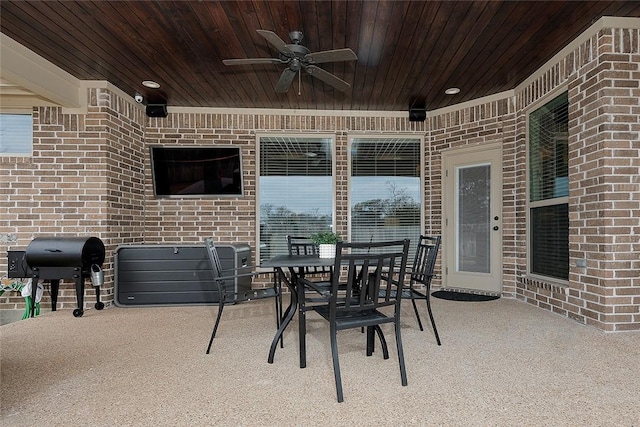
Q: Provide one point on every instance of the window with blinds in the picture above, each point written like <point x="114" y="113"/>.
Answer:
<point x="549" y="189"/>
<point x="385" y="188"/>
<point x="295" y="189"/>
<point x="16" y="134"/>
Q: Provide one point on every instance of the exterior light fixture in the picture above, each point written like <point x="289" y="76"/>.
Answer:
<point x="452" y="91"/>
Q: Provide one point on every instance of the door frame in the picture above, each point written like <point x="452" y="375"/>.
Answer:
<point x="485" y="282"/>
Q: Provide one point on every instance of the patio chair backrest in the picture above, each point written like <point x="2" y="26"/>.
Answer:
<point x="373" y="275"/>
<point x="304" y="246"/>
<point x="424" y="262"/>
<point x="227" y="292"/>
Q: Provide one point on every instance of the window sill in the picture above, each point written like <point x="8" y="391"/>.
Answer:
<point x="560" y="287"/>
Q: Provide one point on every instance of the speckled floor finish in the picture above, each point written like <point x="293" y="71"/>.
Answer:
<point x="501" y="363"/>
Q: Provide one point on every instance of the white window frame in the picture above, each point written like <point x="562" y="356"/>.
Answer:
<point x="260" y="136"/>
<point x="421" y="177"/>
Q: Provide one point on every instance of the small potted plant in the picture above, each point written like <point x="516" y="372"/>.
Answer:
<point x="326" y="241"/>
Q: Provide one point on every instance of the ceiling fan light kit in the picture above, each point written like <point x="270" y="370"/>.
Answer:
<point x="297" y="58"/>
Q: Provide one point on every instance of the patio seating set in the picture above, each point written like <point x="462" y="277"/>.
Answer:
<point x="361" y="287"/>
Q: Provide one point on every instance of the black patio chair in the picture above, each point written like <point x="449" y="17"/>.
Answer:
<point x="421" y="273"/>
<point x="321" y="275"/>
<point x="228" y="295"/>
<point x="374" y="275"/>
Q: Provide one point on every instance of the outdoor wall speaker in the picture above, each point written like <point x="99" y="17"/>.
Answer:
<point x="157" y="110"/>
<point x="417" y="114"/>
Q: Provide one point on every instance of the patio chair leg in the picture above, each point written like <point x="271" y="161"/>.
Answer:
<point x="383" y="342"/>
<point x="370" y="341"/>
<point x="403" y="369"/>
<point x="415" y="309"/>
<point x="433" y="322"/>
<point x="336" y="365"/>
<point x="215" y="327"/>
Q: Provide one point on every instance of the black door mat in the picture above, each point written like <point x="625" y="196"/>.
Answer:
<point x="463" y="296"/>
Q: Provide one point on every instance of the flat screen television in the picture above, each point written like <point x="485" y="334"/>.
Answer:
<point x="196" y="171"/>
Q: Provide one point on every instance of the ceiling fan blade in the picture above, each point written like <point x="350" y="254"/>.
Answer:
<point x="328" y="78"/>
<point x="276" y="41"/>
<point x="246" y="61"/>
<point x="285" y="80"/>
<point x="332" y="56"/>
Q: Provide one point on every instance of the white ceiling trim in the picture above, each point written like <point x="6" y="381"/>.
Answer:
<point x="34" y="74"/>
<point x="604" y="22"/>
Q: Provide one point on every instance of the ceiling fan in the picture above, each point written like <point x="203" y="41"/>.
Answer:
<point x="297" y="58"/>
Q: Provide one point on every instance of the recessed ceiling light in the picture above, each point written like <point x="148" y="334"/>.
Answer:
<point x="452" y="91"/>
<point x="151" y="84"/>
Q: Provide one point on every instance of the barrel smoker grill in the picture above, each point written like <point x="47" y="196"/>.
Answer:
<point x="57" y="258"/>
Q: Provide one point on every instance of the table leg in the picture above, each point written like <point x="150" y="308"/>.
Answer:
<point x="302" y="326"/>
<point x="288" y="315"/>
<point x="297" y="302"/>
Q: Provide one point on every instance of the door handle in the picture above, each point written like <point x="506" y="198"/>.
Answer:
<point x="496" y="228"/>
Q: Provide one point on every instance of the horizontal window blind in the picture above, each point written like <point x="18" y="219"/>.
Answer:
<point x="548" y="150"/>
<point x="385" y="187"/>
<point x="295" y="190"/>
<point x="473" y="185"/>
<point x="549" y="189"/>
<point x="550" y="241"/>
<point x="16" y="134"/>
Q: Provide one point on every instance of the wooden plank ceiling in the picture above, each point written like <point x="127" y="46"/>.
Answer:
<point x="408" y="52"/>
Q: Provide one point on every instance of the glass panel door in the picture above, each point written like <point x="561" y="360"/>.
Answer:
<point x="472" y="219"/>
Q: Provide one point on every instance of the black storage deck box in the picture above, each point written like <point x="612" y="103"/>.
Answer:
<point x="175" y="274"/>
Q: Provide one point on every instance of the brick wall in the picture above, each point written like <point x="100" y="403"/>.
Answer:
<point x="233" y="219"/>
<point x="480" y="125"/>
<point x="90" y="174"/>
<point x="85" y="178"/>
<point x="603" y="79"/>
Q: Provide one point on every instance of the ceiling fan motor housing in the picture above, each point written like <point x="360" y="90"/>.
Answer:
<point x="296" y="36"/>
<point x="298" y="50"/>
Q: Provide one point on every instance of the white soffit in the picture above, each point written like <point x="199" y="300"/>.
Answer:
<point x="27" y="79"/>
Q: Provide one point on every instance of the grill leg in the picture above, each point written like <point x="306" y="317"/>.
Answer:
<point x="34" y="289"/>
<point x="55" y="285"/>
<point x="99" y="305"/>
<point x="79" y="295"/>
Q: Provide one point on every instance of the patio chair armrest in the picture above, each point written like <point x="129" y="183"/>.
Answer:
<point x="253" y="294"/>
<point x="326" y="293"/>
<point x="388" y="280"/>
<point x="234" y="273"/>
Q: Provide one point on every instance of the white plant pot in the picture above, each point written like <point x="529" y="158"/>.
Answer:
<point x="327" y="250"/>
